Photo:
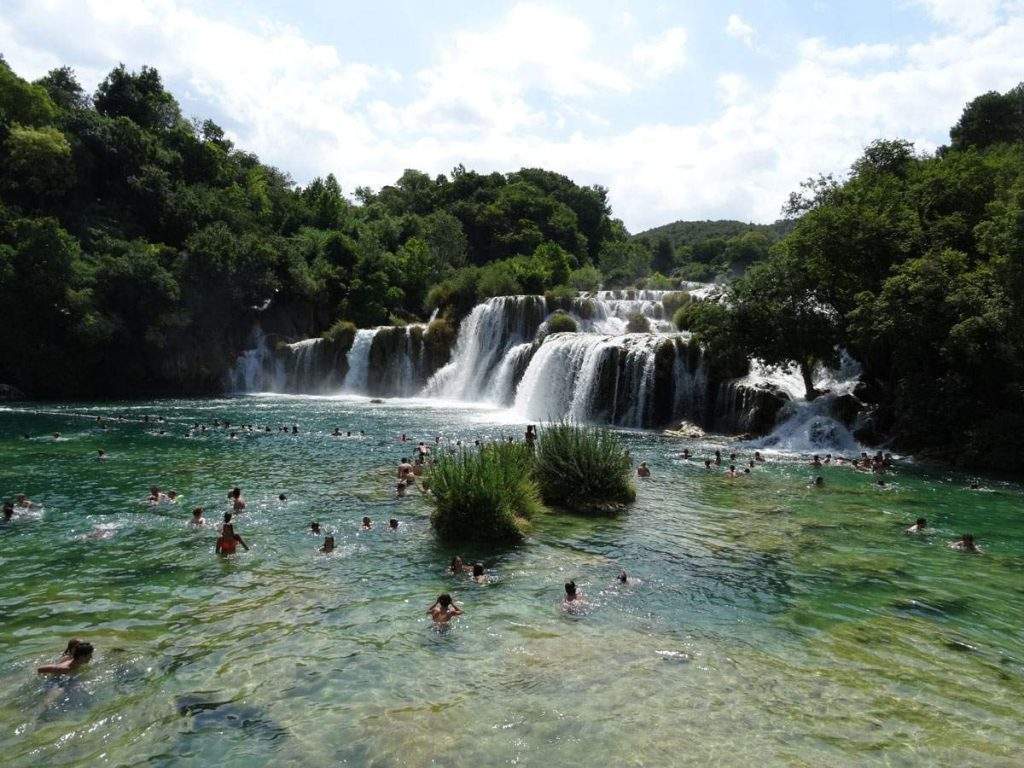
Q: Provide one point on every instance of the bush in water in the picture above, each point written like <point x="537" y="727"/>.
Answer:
<point x="342" y="333"/>
<point x="486" y="495"/>
<point x="560" y="322"/>
<point x="583" y="469"/>
<point x="637" y="323"/>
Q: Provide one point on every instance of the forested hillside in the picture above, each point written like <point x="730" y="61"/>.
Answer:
<point x="136" y="246"/>
<point x="709" y="250"/>
<point x="915" y="265"/>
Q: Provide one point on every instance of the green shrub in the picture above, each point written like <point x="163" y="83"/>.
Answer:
<point x="637" y="323"/>
<point x="341" y="333"/>
<point x="583" y="469"/>
<point x="560" y="297"/>
<point x="586" y="278"/>
<point x="673" y="301"/>
<point x="682" y="318"/>
<point x="658" y="282"/>
<point x="486" y="495"/>
<point x="560" y="322"/>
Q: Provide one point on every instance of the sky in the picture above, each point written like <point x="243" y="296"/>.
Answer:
<point x="697" y="110"/>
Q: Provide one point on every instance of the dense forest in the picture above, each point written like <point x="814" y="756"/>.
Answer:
<point x="136" y="246"/>
<point x="914" y="263"/>
<point x="710" y="250"/>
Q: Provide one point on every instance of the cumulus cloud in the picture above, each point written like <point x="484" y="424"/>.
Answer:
<point x="664" y="54"/>
<point x="738" y="29"/>
<point x="534" y="87"/>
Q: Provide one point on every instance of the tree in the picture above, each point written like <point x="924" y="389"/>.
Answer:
<point x="664" y="258"/>
<point x="139" y="96"/>
<point x="38" y="163"/>
<point x="64" y="90"/>
<point x="23" y="103"/>
<point x="990" y="119"/>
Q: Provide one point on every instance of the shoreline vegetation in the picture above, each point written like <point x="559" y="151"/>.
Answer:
<point x="490" y="493"/>
<point x="136" y="241"/>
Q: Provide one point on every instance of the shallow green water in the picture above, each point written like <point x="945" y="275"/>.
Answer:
<point x="774" y="624"/>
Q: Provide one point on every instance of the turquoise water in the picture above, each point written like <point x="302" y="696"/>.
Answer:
<point x="773" y="623"/>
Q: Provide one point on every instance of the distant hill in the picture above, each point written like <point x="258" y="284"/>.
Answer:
<point x="693" y="232"/>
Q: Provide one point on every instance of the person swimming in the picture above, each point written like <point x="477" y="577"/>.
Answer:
<point x="718" y="458"/>
<point x="444" y="609"/>
<point x="8" y="511"/>
<point x="77" y="653"/>
<point x="457" y="565"/>
<point x="707" y="463"/>
<point x="918" y="527"/>
<point x="573" y="596"/>
<point x="966" y="543"/>
<point x="172" y="497"/>
<point x="367" y="524"/>
<point x="229" y="540"/>
<point x="336" y="432"/>
<point x="314" y="527"/>
<point x="237" y="502"/>
<point x="623" y="577"/>
<point x="643" y="470"/>
<point x="155" y="495"/>
<point x="732" y="471"/>
<point x="758" y="457"/>
<point x="197" y="518"/>
<point x="816" y="462"/>
<point x="393" y="524"/>
<point x="328" y="546"/>
<point x="282" y="497"/>
<point x="404" y="469"/>
<point x="400" y="487"/>
<point x="478" y="573"/>
<point x="686" y="454"/>
<point x="101" y="454"/>
<point x="818" y="481"/>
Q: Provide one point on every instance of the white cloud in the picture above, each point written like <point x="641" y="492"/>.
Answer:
<point x="738" y="29"/>
<point x="966" y="15"/>
<point x="532" y="88"/>
<point x="664" y="54"/>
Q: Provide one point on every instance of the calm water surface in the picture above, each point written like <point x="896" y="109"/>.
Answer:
<point x="772" y="624"/>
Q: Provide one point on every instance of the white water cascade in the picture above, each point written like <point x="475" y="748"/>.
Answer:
<point x="504" y="355"/>
<point x="358" y="358"/>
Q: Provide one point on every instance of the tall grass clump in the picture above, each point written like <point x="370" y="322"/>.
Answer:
<point x="583" y="469"/>
<point x="486" y="495"/>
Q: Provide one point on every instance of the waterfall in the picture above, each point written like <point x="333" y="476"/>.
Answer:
<point x="485" y="337"/>
<point x="359" y="361"/>
<point x="257" y="369"/>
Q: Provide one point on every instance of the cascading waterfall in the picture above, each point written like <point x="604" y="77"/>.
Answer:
<point x="359" y="361"/>
<point x="485" y="338"/>
<point x="503" y="355"/>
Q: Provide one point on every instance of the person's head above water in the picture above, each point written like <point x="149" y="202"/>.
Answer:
<point x="819" y="480"/>
<point x="227" y="517"/>
<point x="393" y="524"/>
<point x="367" y="521"/>
<point x="570" y="589"/>
<point x="197" y="512"/>
<point x="314" y="527"/>
<point x="623" y="578"/>
<point x="921" y="522"/>
<point x="227" y="530"/>
<point x="328" y="543"/>
<point x="282" y="497"/>
<point x="456" y="565"/>
<point x="444" y="600"/>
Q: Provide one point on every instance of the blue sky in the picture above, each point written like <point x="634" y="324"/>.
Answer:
<point x="683" y="110"/>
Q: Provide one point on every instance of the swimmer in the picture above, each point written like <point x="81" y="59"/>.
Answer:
<point x="918" y="527"/>
<point x="229" y="540"/>
<point x="75" y="655"/>
<point x="880" y="483"/>
<point x="623" y="577"/>
<point x="237" y="502"/>
<point x="56" y="435"/>
<point x="975" y="486"/>
<point x="367" y="524"/>
<point x="225" y="521"/>
<point x="403" y="438"/>
<point x="336" y="432"/>
<point x="197" y="518"/>
<point x="393" y="524"/>
<point x="818" y="482"/>
<point x="732" y="471"/>
<point x="478" y="573"/>
<point x="101" y="454"/>
<point x="404" y="468"/>
<point x="686" y="454"/>
<point x="282" y="497"/>
<point x="746" y="470"/>
<point x="155" y="496"/>
<point x="751" y="464"/>
<point x="444" y="609"/>
<point x="816" y="462"/>
<point x="643" y="470"/>
<point x="966" y="543"/>
<point x="707" y="463"/>
<point x="572" y="594"/>
<point x="758" y="457"/>
<point x="400" y="489"/>
<point x="718" y="458"/>
<point x="314" y="527"/>
<point x="172" y="496"/>
<point x="295" y="429"/>
<point x="8" y="512"/>
<point x="457" y="566"/>
<point x="328" y="546"/>
<point x="24" y="502"/>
